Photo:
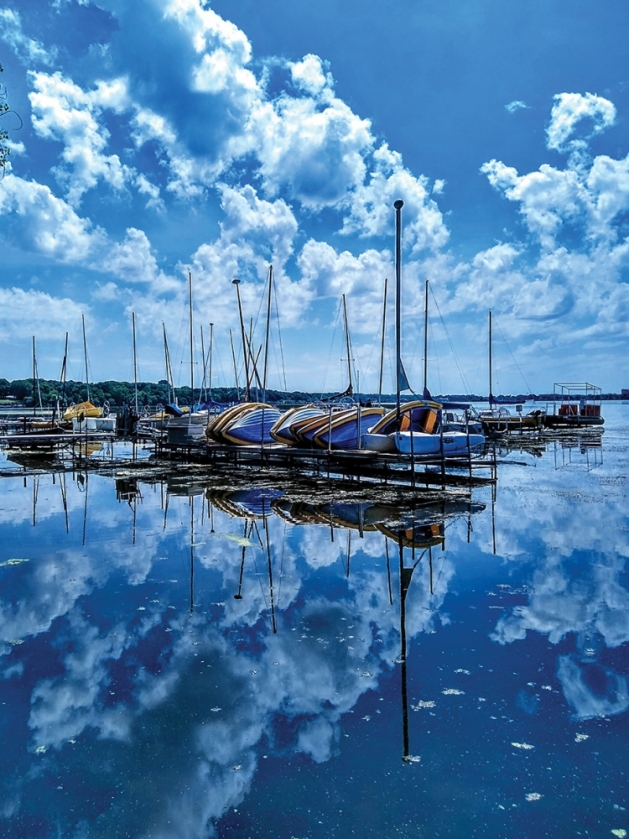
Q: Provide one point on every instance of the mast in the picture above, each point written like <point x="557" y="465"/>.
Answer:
<point x="191" y="344"/>
<point x="36" y="388"/>
<point x="204" y="359"/>
<point x="87" y="378"/>
<point x="384" y="324"/>
<point x="426" y="344"/>
<point x="135" y="363"/>
<point x="210" y="351"/>
<point x="236" y="282"/>
<point x="349" y="356"/>
<point x="268" y="327"/>
<point x="398" y="304"/>
<point x="169" y="372"/>
<point x="62" y="375"/>
<point x="491" y="395"/>
<point x="231" y="340"/>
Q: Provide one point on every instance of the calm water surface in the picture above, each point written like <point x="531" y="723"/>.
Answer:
<point x="183" y="662"/>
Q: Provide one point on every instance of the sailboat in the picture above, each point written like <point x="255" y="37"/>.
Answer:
<point x="187" y="428"/>
<point x="417" y="427"/>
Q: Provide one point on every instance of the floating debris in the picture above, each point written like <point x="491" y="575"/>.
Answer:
<point x="581" y="737"/>
<point x="460" y="670"/>
<point x="16" y="642"/>
<point x="13" y="562"/>
<point x="547" y="687"/>
<point x="411" y="758"/>
<point x="40" y="750"/>
<point x="424" y="703"/>
<point x="237" y="767"/>
<point x="533" y="796"/>
<point x="522" y="746"/>
<point x="619" y="832"/>
<point x="452" y="692"/>
<point x="366" y="718"/>
<point x="216" y="709"/>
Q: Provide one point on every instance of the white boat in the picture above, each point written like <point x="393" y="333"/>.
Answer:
<point x="102" y="424"/>
<point x="448" y="443"/>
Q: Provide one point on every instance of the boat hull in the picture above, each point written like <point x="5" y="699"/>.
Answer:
<point x="450" y="444"/>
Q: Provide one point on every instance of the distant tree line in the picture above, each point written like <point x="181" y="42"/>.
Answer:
<point x="123" y="393"/>
<point x="151" y="394"/>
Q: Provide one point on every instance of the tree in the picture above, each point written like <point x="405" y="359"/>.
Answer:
<point x="5" y="109"/>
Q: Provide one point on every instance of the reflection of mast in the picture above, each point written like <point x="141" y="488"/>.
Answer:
<point x="270" y="567"/>
<point x="192" y="554"/>
<point x="349" y="550"/>
<point x="238" y="596"/>
<point x="64" y="498"/>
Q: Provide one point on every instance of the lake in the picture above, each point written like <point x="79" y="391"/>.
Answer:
<point x="180" y="660"/>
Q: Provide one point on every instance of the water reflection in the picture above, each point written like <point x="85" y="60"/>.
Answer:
<point x="182" y="659"/>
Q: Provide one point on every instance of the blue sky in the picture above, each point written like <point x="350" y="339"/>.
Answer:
<point x="162" y="137"/>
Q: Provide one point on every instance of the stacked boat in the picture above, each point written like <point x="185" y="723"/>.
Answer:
<point x="248" y="423"/>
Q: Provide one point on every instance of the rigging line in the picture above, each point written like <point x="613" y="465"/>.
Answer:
<point x="279" y="332"/>
<point x="512" y="356"/>
<point x="327" y="366"/>
<point x="454" y="355"/>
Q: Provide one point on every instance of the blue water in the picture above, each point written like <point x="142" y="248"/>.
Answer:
<point x="141" y="698"/>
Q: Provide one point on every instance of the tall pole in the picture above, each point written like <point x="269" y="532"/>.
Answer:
<point x="62" y="377"/>
<point x="231" y="341"/>
<point x="211" y="341"/>
<point x="87" y="378"/>
<point x="384" y="326"/>
<point x="204" y="359"/>
<point x="135" y="364"/>
<point x="236" y="282"/>
<point x="426" y="343"/>
<point x="491" y="395"/>
<point x="191" y="344"/>
<point x="398" y="303"/>
<point x="349" y="359"/>
<point x="169" y="371"/>
<point x="268" y="327"/>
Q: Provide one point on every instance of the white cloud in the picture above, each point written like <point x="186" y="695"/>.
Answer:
<point x="569" y="110"/>
<point x="46" y="222"/>
<point x="24" y="313"/>
<point x="25" y="48"/>
<point x="516" y="105"/>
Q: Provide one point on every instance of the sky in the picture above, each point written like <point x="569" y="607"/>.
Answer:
<point x="152" y="138"/>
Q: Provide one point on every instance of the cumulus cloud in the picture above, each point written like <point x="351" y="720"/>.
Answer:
<point x="569" y="110"/>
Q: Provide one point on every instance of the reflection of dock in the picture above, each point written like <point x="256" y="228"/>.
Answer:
<point x="396" y="470"/>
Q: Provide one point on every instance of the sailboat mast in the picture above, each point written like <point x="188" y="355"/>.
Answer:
<point x="63" y="374"/>
<point x="349" y="358"/>
<point x="204" y="359"/>
<point x="268" y="327"/>
<point x="398" y="303"/>
<point x="135" y="363"/>
<point x="426" y="343"/>
<point x="384" y="326"/>
<point x="36" y="388"/>
<point x="87" y="378"/>
<point x="169" y="370"/>
<point x="211" y="342"/>
<point x="191" y="343"/>
<point x="491" y="395"/>
<point x="231" y="341"/>
<point x="236" y="282"/>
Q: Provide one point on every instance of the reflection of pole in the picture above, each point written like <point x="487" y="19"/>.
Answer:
<point x="192" y="554"/>
<point x="386" y="550"/>
<point x="405" y="579"/>
<point x="270" y="567"/>
<point x="64" y="499"/>
<point x="242" y="566"/>
<point x="349" y="550"/>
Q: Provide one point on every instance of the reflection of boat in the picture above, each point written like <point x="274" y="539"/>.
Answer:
<point x="579" y="406"/>
<point x="253" y="503"/>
